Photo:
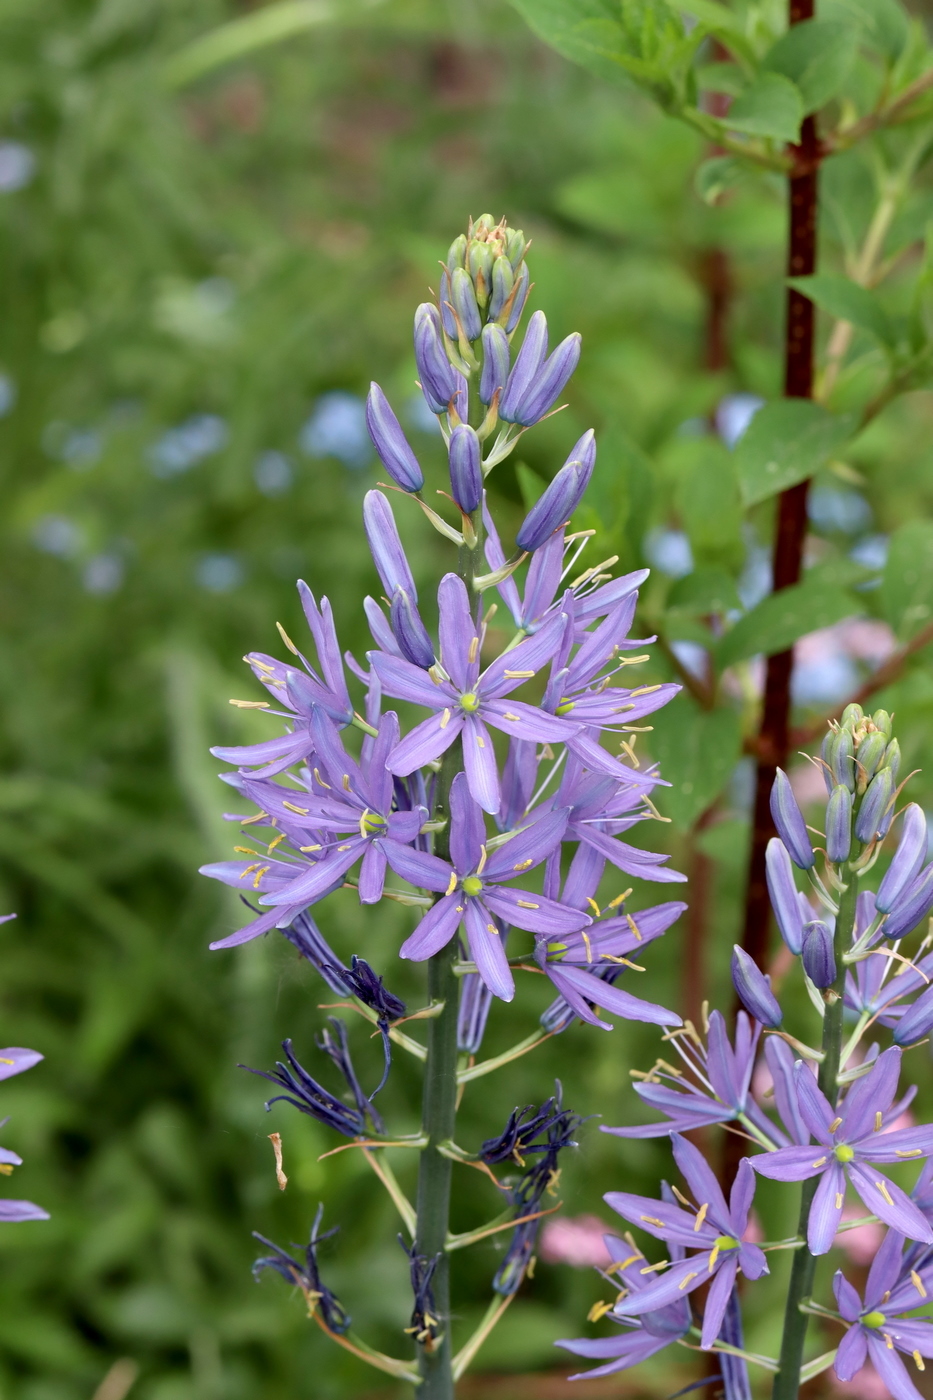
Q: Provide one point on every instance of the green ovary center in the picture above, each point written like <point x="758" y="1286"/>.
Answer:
<point x="873" y="1319"/>
<point x="564" y="707"/>
<point x="472" y="885"/>
<point x="372" y="822"/>
<point x="469" y="702"/>
<point x="843" y="1153"/>
<point x="726" y="1242"/>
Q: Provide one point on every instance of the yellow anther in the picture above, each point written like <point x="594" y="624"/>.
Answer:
<point x="481" y="741"/>
<point x="251" y="704"/>
<point x="259" y="665"/>
<point x="879" y="1119"/>
<point x="319" y="779"/>
<point x="491" y="928"/>
<point x="653" y="1268"/>
<point x="683" y="1283"/>
<point x="633" y="926"/>
<point x="917" y="1282"/>
<point x="507" y="714"/>
<point x="306" y="850"/>
<point x="483" y="857"/>
<point x="247" y="850"/>
<point x="598" y="1310"/>
<point x="259" y="817"/>
<point x="919" y="1360"/>
<point x="287" y="639"/>
<point x="526" y="904"/>
<point x="346" y="782"/>
<point x="518" y="675"/>
<point x="908" y="1151"/>
<point x="473" y="653"/>
<point x="701" y="1215"/>
<point x="453" y="883"/>
<point x="652" y="1220"/>
<point x="839" y="1199"/>
<point x="523" y="864"/>
<point x="644" y="690"/>
<point x="587" y="945"/>
<point x="835" y="1124"/>
<point x="882" y="1187"/>
<point x="277" y="841"/>
<point x="302" y="811"/>
<point x="593" y="905"/>
<point x="820" y="1162"/>
<point x="445" y="719"/>
<point x="259" y="874"/>
<point x="619" y="899"/>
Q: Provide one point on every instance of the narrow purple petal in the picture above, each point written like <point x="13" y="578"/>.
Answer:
<point x="15" y="1060"/>
<point x="435" y="371"/>
<point x="662" y="1219"/>
<point x="419" y="868"/>
<point x="272" y="919"/>
<point x="390" y="442"/>
<point x="385" y="545"/>
<point x="435" y="930"/>
<point x="891" y="1369"/>
<point x="523" y="721"/>
<point x="913" y="905"/>
<point x="791" y="1163"/>
<point x="467" y="828"/>
<point x="826" y="1210"/>
<point x="908" y="859"/>
<point x="611" y="998"/>
<point x="561" y="497"/>
<point x="548" y="383"/>
<point x="372" y="873"/>
<point x="789" y="821"/>
<point x="457" y="633"/>
<point x="487" y="951"/>
<point x="508" y="671"/>
<point x="319" y="879"/>
<point x="528" y="847"/>
<point x="892" y="1205"/>
<point x="426" y="742"/>
<point x="852" y="1353"/>
<point x="321" y="621"/>
<point x="847" y="1299"/>
<point x="717" y="1298"/>
<point x="631" y="1349"/>
<point x="780" y="1061"/>
<point x="495" y="558"/>
<point x="741" y="1195"/>
<point x="527" y="366"/>
<point x="13" y="1211"/>
<point x="701" y="1180"/>
<point x="884" y="1271"/>
<point x="872" y="1094"/>
<point x="479" y="761"/>
<point x="407" y="682"/>
<point x="783" y="894"/>
<point x="533" y="912"/>
<point x="543" y="579"/>
<point x="681" y="1278"/>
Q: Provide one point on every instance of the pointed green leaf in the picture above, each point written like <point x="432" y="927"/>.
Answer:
<point x="907" y="582"/>
<point x="769" y="106"/>
<point x="778" y="620"/>
<point x="848" y="302"/>
<point x="816" y="56"/>
<point x="884" y="25"/>
<point x="786" y="442"/>
<point x="702" y="593"/>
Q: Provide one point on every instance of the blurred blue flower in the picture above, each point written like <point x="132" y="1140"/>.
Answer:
<point x="835" y="510"/>
<point x="56" y="534"/>
<point x="693" y="657"/>
<point x="825" y="680"/>
<point x="190" y="442"/>
<point x="103" y="574"/>
<point x="734" y="414"/>
<point x="669" y="552"/>
<point x="17" y="166"/>
<point x="219" y="573"/>
<point x="81" y="448"/>
<point x="337" y="428"/>
<point x="871" y="551"/>
<point x="756" y="579"/>
<point x="273" y="473"/>
<point x="7" y="394"/>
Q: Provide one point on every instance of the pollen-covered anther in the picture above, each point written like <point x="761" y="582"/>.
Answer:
<point x="701" y="1215"/>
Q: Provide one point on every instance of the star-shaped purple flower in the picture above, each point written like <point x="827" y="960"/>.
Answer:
<point x="875" y="1329"/>
<point x="466" y="701"/>
<point x="715" y="1229"/>
<point x="473" y="889"/>
<point x="851" y="1141"/>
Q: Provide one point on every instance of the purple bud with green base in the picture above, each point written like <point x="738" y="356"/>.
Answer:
<point x="518" y="300"/>
<point x="463" y="296"/>
<point x="391" y="443"/>
<point x="503" y="280"/>
<point x="839" y="824"/>
<point x="819" y="960"/>
<point x="790" y="824"/>
<point x="436" y="373"/>
<point x="908" y="859"/>
<point x="542" y="393"/>
<point x="869" y="754"/>
<point x="753" y="989"/>
<point x="527" y="366"/>
<point x="874" y="806"/>
<point x="466" y="472"/>
<point x="495" y="371"/>
<point x="561" y="497"/>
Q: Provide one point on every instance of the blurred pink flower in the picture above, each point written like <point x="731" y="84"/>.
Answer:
<point x="754" y="1234"/>
<point x="867" y="1385"/>
<point x="806" y="780"/>
<point x="576" y="1240"/>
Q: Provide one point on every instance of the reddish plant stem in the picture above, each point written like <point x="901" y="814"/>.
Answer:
<point x="773" y="736"/>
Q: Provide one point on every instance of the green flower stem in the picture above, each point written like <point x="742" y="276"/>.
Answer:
<point x="787" y="1381"/>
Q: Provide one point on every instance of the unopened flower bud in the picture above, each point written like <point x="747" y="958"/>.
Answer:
<point x="917" y="1021"/>
<point x="819" y="959"/>
<point x="515" y="247"/>
<point x="466" y="472"/>
<point x="789" y="821"/>
<point x="874" y="806"/>
<point x="826" y="754"/>
<point x="457" y="253"/>
<point x="839" y="824"/>
<point x="518" y="298"/>
<point x="495" y="370"/>
<point x="883" y="723"/>
<point x="547" y="384"/>
<point x="527" y="365"/>
<point x="892" y="758"/>
<point x="908" y="859"/>
<point x="561" y="498"/>
<point x="869" y="754"/>
<point x="753" y="989"/>
<point x="438" y="376"/>
<point x="448" y="320"/>
<point x="783" y="894"/>
<point x="410" y="632"/>
<point x="503" y="280"/>
<point x="385" y="545"/>
<point x="841" y="758"/>
<point x="391" y="443"/>
<point x="463" y="296"/>
<point x="479" y="266"/>
<point x="912" y="906"/>
<point x="852" y="716"/>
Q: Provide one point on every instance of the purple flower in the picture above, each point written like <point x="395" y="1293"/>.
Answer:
<point x="646" y="1334"/>
<point x="851" y="1140"/>
<point x="878" y="985"/>
<point x="347" y="814"/>
<point x="307" y="1275"/>
<point x="839" y="823"/>
<point x="465" y="701"/>
<point x="722" y="1091"/>
<point x="875" y="1329"/>
<point x="913" y="904"/>
<point x="385" y="546"/>
<point x="536" y="381"/>
<point x="391" y="443"/>
<point x="561" y="496"/>
<point x="908" y="859"/>
<point x="789" y="821"/>
<point x="437" y="374"/>
<point x="16" y="1060"/>
<point x="584" y="965"/>
<point x="715" y="1227"/>
<point x="817" y="955"/>
<point x="474" y="893"/>
<point x="527" y="364"/>
<point x="753" y="989"/>
<point x="466" y="472"/>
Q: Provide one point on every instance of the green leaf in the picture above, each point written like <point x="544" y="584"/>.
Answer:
<point x="697" y="750"/>
<point x="703" y="593"/>
<point x="778" y="620"/>
<point x="883" y="24"/>
<point x="769" y="106"/>
<point x="719" y="174"/>
<point x="787" y="441"/>
<point x="707" y="495"/>
<point x="721" y="77"/>
<point x="817" y="56"/>
<point x="847" y="301"/>
<point x="907" y="582"/>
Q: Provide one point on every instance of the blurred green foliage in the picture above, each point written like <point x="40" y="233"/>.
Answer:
<point x="193" y="256"/>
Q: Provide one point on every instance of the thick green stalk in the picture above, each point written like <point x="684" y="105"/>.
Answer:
<point x="787" y="1380"/>
<point x="439" y="1103"/>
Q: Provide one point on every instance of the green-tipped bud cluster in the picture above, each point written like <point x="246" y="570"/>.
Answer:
<point x="861" y="754"/>
<point x="485" y="278"/>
